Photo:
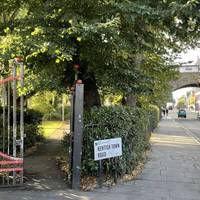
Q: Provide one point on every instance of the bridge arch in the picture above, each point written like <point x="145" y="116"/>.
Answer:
<point x="189" y="77"/>
<point x="193" y="85"/>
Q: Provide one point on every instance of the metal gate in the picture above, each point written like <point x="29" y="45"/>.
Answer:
<point x="12" y="125"/>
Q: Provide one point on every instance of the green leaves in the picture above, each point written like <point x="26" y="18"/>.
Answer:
<point x="104" y="36"/>
<point x="133" y="125"/>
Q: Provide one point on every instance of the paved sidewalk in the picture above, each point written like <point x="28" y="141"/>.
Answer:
<point x="171" y="173"/>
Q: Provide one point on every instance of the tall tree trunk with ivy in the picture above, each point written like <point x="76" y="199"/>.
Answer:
<point x="91" y="94"/>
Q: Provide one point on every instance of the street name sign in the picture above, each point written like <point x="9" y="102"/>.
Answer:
<point x="108" y="148"/>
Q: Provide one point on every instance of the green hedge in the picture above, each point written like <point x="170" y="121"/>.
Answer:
<point x="154" y="116"/>
<point x="56" y="114"/>
<point x="133" y="125"/>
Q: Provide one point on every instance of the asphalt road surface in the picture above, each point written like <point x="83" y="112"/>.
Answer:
<point x="191" y="123"/>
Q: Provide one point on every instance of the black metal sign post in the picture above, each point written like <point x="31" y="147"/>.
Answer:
<point x="77" y="136"/>
<point x="100" y="174"/>
<point x="107" y="149"/>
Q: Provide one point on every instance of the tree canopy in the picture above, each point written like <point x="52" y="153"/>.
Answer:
<point x="121" y="46"/>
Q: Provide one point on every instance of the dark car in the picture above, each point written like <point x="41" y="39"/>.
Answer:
<point x="182" y="113"/>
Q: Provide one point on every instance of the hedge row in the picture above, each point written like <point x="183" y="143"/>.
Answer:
<point x="133" y="125"/>
<point x="154" y="116"/>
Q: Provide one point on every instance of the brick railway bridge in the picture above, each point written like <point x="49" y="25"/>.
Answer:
<point x="189" y="77"/>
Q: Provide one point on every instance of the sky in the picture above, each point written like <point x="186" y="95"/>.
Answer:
<point x="185" y="57"/>
<point x="189" y="55"/>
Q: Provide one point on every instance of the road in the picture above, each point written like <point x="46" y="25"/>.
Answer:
<point x="171" y="173"/>
<point x="191" y="123"/>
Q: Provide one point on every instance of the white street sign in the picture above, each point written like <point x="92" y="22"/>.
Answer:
<point x="107" y="148"/>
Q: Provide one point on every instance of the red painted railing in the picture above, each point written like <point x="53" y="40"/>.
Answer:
<point x="10" y="78"/>
<point x="10" y="161"/>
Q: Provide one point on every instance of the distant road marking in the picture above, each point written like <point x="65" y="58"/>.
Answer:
<point x="173" y="139"/>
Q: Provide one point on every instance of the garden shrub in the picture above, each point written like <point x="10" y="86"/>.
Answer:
<point x="33" y="133"/>
<point x="32" y="116"/>
<point x="133" y="125"/>
<point x="49" y="103"/>
<point x="110" y="122"/>
<point x="154" y="116"/>
<point x="56" y="114"/>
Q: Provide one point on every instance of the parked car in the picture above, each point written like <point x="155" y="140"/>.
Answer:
<point x="182" y="113"/>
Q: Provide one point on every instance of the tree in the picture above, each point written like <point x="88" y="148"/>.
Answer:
<point x="111" y="40"/>
<point x="159" y="73"/>
<point x="191" y="100"/>
<point x="181" y="102"/>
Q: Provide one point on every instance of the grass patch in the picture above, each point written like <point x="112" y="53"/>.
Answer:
<point x="49" y="127"/>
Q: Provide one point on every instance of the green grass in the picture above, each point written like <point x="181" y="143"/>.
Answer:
<point x="49" y="127"/>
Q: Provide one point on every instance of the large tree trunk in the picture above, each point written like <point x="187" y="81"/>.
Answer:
<point x="91" y="94"/>
<point x="129" y="100"/>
